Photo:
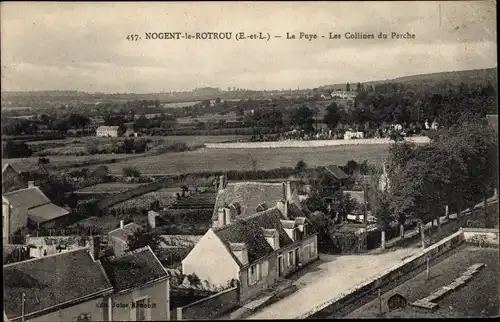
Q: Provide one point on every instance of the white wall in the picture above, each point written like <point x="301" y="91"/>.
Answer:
<point x="210" y="260"/>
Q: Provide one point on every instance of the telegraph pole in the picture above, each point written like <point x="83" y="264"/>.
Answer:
<point x="366" y="214"/>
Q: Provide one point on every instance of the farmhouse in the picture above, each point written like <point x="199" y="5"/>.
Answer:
<point x="243" y="199"/>
<point x="29" y="206"/>
<point x="256" y="251"/>
<point x="79" y="285"/>
<point x="108" y="131"/>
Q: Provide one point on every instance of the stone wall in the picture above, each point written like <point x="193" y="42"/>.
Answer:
<point x="309" y="143"/>
<point x="370" y="287"/>
<point x="208" y="308"/>
<point x="481" y="237"/>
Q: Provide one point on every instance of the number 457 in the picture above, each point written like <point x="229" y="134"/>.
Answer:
<point x="132" y="37"/>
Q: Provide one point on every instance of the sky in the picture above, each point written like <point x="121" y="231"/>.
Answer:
<point x="83" y="46"/>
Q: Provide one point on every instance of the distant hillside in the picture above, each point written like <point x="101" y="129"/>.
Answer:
<point x="479" y="76"/>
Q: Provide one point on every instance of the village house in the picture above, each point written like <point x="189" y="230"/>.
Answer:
<point x="29" y="206"/>
<point x="108" y="131"/>
<point x="257" y="251"/>
<point x="11" y="179"/>
<point x="333" y="179"/>
<point x="243" y="199"/>
<point x="80" y="286"/>
<point x="118" y="238"/>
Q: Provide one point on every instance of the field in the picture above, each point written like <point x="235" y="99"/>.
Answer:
<point x="27" y="164"/>
<point x="165" y="196"/>
<point x="108" y="188"/>
<point x="214" y="160"/>
<point x="229" y="117"/>
<point x="190" y="140"/>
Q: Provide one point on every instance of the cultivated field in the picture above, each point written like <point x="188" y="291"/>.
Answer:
<point x="213" y="160"/>
<point x="111" y="188"/>
<point x="229" y="117"/>
<point x="26" y="164"/>
<point x="165" y="196"/>
<point x="190" y="140"/>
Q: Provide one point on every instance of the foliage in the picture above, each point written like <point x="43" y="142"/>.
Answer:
<point x="131" y="172"/>
<point x="145" y="237"/>
<point x="16" y="150"/>
<point x="303" y="118"/>
<point x="301" y="166"/>
<point x="332" y="116"/>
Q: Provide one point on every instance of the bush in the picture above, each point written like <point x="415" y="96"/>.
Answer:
<point x="131" y="172"/>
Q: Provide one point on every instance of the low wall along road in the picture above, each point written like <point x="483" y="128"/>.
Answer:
<point x="310" y="143"/>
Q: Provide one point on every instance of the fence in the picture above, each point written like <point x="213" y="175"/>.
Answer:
<point x="335" y="306"/>
<point x="208" y="308"/>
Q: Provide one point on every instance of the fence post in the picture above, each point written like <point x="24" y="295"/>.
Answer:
<point x="179" y="313"/>
<point x="428" y="268"/>
<point x="379" y="302"/>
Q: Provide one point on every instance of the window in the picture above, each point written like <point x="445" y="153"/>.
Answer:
<point x="252" y="275"/>
<point x="307" y="250"/>
<point x="312" y="250"/>
<point x="140" y="310"/>
<point x="291" y="261"/>
<point x="265" y="268"/>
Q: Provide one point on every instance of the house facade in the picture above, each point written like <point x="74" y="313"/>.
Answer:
<point x="256" y="251"/>
<point x="29" y="206"/>
<point x="118" y="238"/>
<point x="108" y="131"/>
<point x="79" y="285"/>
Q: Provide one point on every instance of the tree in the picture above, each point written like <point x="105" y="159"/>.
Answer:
<point x="301" y="166"/>
<point x="101" y="172"/>
<point x="348" y="87"/>
<point x="145" y="237"/>
<point x="383" y="214"/>
<point x="332" y="116"/>
<point x="303" y="118"/>
<point x="315" y="202"/>
<point x="131" y="172"/>
<point x="16" y="150"/>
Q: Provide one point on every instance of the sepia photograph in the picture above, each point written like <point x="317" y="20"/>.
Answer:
<point x="206" y="160"/>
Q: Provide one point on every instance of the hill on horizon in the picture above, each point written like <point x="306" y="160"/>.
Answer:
<point x="455" y="77"/>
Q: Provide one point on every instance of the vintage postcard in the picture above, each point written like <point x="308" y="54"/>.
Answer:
<point x="249" y="160"/>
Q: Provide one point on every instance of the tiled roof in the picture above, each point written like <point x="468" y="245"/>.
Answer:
<point x="133" y="269"/>
<point x="28" y="197"/>
<point x="51" y="281"/>
<point x="46" y="212"/>
<point x="249" y="231"/>
<point x="249" y="195"/>
<point x="127" y="230"/>
<point x="336" y="172"/>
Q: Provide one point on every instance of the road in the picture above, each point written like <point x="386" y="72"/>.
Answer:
<point x="332" y="276"/>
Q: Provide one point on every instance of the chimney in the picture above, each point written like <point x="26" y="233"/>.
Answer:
<point x="240" y="250"/>
<point x="287" y="191"/>
<point x="31" y="184"/>
<point x="152" y="219"/>
<point x="121" y="224"/>
<point x="227" y="215"/>
<point x="222" y="182"/>
<point x="221" y="217"/>
<point x="94" y="247"/>
<point x="283" y="207"/>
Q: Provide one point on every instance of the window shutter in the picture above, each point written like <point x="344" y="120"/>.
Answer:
<point x="148" y="310"/>
<point x="132" y="312"/>
<point x="265" y="268"/>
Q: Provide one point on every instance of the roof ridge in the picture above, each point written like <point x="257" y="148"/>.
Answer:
<point x="244" y="219"/>
<point x="240" y="183"/>
<point x="52" y="255"/>
<point x="129" y="252"/>
<point x="22" y="189"/>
